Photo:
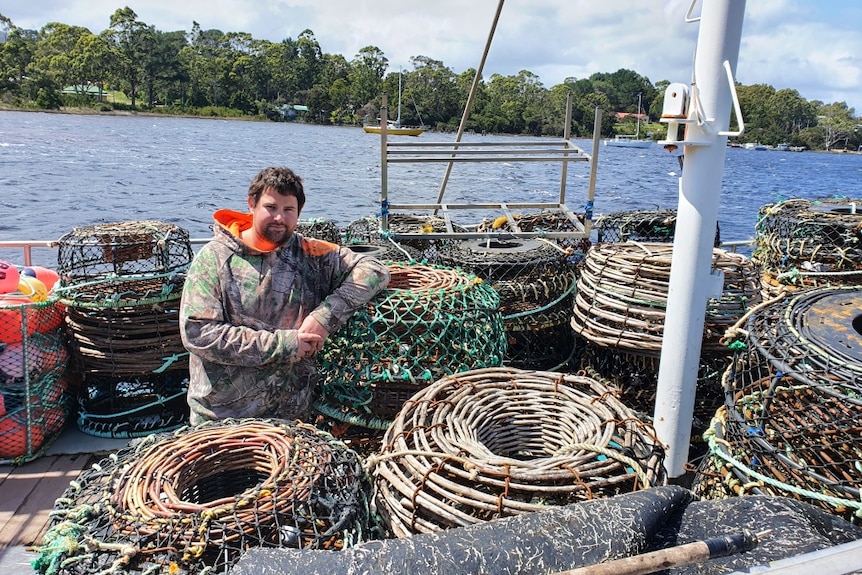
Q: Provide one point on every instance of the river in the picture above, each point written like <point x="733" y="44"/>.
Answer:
<point x="60" y="171"/>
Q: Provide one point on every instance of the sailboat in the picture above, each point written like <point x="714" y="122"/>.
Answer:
<point x="394" y="128"/>
<point x="631" y="140"/>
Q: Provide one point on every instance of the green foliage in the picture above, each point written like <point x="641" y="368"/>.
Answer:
<point x="213" y="73"/>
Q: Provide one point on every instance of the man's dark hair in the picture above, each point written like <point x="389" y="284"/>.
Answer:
<point x="280" y="179"/>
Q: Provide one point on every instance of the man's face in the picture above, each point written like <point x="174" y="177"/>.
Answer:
<point x="274" y="216"/>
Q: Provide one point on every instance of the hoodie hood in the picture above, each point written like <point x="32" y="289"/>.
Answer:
<point x="237" y="222"/>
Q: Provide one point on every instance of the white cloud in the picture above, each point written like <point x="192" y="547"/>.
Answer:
<point x="793" y="44"/>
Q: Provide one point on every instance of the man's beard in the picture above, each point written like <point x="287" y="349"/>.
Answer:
<point x="276" y="234"/>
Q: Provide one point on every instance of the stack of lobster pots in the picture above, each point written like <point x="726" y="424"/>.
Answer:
<point x="121" y="286"/>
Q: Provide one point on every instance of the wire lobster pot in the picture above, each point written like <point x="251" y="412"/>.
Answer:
<point x="192" y="501"/>
<point x="535" y="282"/>
<point x="497" y="442"/>
<point x="790" y="425"/>
<point x="431" y="321"/>
<point x="650" y="226"/>
<point x="321" y="229"/>
<point x="809" y="243"/>
<point x="368" y="231"/>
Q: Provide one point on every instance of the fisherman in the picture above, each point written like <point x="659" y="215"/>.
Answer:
<point x="259" y="302"/>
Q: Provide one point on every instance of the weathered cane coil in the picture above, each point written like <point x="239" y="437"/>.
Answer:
<point x="496" y="442"/>
<point x="192" y="501"/>
<point x="622" y="296"/>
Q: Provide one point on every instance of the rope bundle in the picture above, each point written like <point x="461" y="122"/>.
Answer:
<point x="809" y="243"/>
<point x="431" y="321"/>
<point x="790" y="425"/>
<point x="196" y="499"/>
<point x="496" y="442"/>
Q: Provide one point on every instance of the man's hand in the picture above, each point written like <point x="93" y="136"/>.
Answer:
<point x="311" y="337"/>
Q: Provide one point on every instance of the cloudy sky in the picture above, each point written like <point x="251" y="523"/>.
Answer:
<point x="812" y="46"/>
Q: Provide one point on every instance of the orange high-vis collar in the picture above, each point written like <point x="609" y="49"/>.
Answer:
<point x="238" y="222"/>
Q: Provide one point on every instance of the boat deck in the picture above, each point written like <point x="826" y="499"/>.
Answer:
<point x="28" y="492"/>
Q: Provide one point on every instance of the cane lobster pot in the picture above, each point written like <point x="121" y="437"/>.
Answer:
<point x="790" y="424"/>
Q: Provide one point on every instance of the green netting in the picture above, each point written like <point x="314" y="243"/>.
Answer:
<point x="790" y="425"/>
<point x="431" y="321"/>
<point x="192" y="501"/>
<point x="35" y="394"/>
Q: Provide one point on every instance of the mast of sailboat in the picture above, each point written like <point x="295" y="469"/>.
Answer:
<point x="706" y="117"/>
<point x="638" y="118"/>
<point x="398" y="119"/>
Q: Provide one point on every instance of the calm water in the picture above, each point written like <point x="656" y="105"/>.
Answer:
<point x="59" y="171"/>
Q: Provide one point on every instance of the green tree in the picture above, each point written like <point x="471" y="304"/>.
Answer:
<point x="59" y="59"/>
<point x="134" y="44"/>
<point x="837" y="123"/>
<point x="15" y="54"/>
<point x="366" y="74"/>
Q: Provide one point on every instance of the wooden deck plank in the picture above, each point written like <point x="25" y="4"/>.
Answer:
<point x="27" y="496"/>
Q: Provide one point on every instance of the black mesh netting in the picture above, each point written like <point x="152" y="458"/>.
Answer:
<point x="192" y="501"/>
<point x="809" y="243"/>
<point x="367" y="231"/>
<point x="431" y="321"/>
<point x="122" y="249"/>
<point x="494" y="442"/>
<point x="791" y="421"/>
<point x="321" y="229"/>
<point x="583" y="534"/>
<point x="535" y="281"/>
<point x="641" y="226"/>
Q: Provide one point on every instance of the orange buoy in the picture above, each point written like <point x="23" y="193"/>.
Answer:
<point x="9" y="277"/>
<point x="12" y="310"/>
<point x="47" y="276"/>
<point x="14" y="431"/>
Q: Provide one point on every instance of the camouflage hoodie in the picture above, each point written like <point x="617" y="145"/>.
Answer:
<point x="240" y="311"/>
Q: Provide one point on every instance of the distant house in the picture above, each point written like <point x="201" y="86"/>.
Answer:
<point x="288" y="111"/>
<point x="83" y="90"/>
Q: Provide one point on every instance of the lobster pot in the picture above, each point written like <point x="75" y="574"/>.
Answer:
<point x="368" y="231"/>
<point x="545" y="221"/>
<point x="194" y="500"/>
<point x="431" y="321"/>
<point x="651" y="226"/>
<point x="35" y="389"/>
<point x="389" y="251"/>
<point x="497" y="442"/>
<point x="123" y="250"/>
<point x="619" y="314"/>
<point x="792" y="420"/>
<point x="535" y="282"/>
<point x="809" y="243"/>
<point x="321" y="229"/>
<point x="121" y="284"/>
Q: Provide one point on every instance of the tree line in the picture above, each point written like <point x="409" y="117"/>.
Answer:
<point x="210" y="72"/>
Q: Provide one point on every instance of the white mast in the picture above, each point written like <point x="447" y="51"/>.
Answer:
<point x="398" y="119"/>
<point x="692" y="282"/>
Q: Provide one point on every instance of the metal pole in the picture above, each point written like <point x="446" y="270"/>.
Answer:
<point x="384" y="165"/>
<point x="476" y="79"/>
<point x="691" y="280"/>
